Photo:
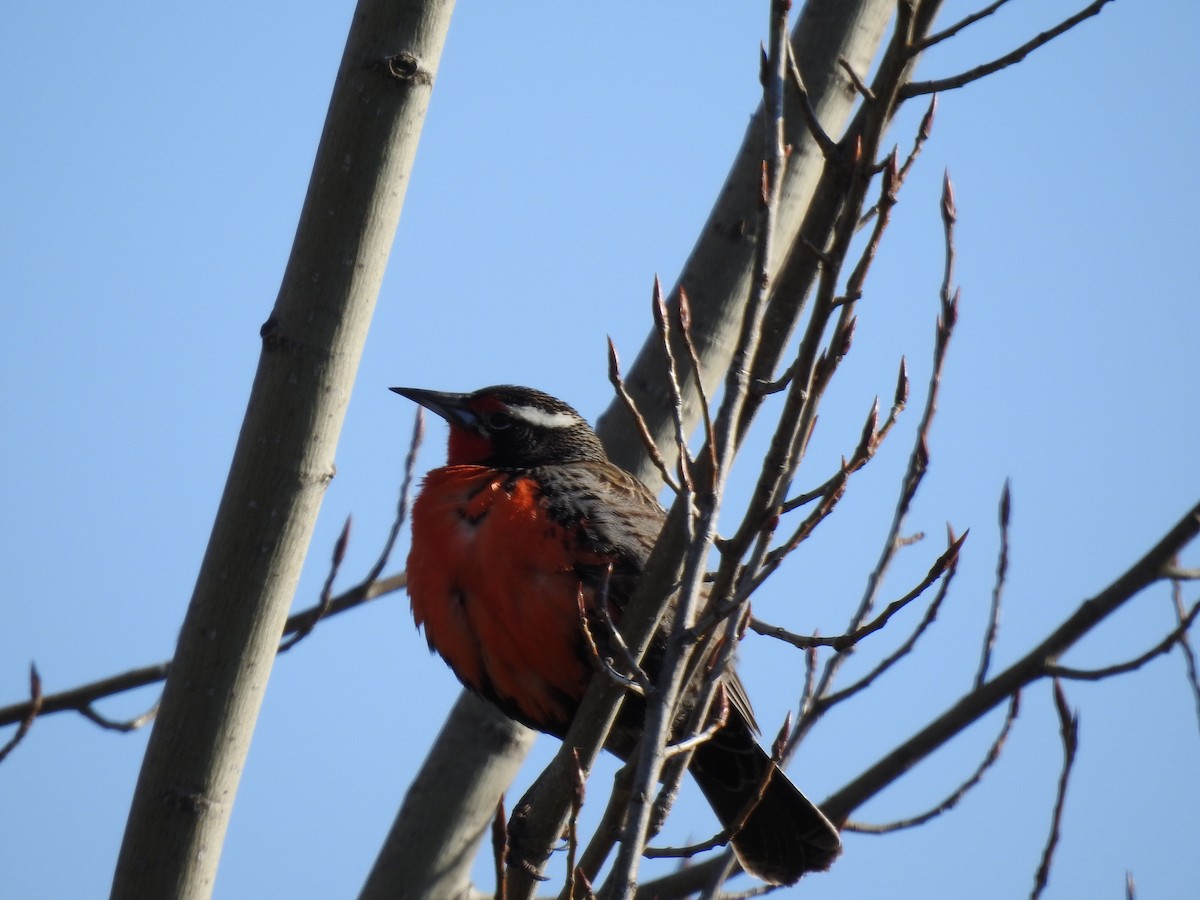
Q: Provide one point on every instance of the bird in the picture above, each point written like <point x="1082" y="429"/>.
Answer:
<point x="529" y="515"/>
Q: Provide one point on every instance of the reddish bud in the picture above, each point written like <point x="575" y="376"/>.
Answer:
<point x="949" y="210"/>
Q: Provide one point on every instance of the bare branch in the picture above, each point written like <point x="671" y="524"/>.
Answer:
<point x="683" y="310"/>
<point x="322" y="608"/>
<point x="79" y="698"/>
<point x="859" y="84"/>
<point x="699" y="532"/>
<point x="577" y="794"/>
<point x="1069" y="728"/>
<point x="993" y="626"/>
<point x="410" y="466"/>
<point x="1024" y="671"/>
<point x="1176" y="636"/>
<point x="1185" y="645"/>
<point x="605" y="836"/>
<point x="825" y="701"/>
<point x="917" y="88"/>
<point x="614" y="377"/>
<point x="771" y="560"/>
<point x="662" y="322"/>
<point x="810" y="678"/>
<point x="919" y="459"/>
<point x="888" y="191"/>
<point x="126" y="725"/>
<point x="944" y="563"/>
<point x="33" y="708"/>
<point x="923" y="132"/>
<point x="958" y="793"/>
<point x="724" y="836"/>
<point x="827" y="144"/>
<point x="958" y="26"/>
<point x="687" y="745"/>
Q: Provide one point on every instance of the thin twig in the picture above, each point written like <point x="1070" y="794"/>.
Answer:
<point x="993" y="625"/>
<point x="924" y="130"/>
<point x="810" y="677"/>
<point x="917" y="88"/>
<point x="859" y="84"/>
<point x="869" y="443"/>
<point x="773" y="558"/>
<point x="724" y="836"/>
<point x="888" y="193"/>
<point x="923" y="133"/>
<point x="1176" y="636"/>
<point x="918" y="465"/>
<point x="1177" y="573"/>
<point x="614" y="377"/>
<point x="578" y="790"/>
<point x="322" y="608"/>
<point x="687" y="745"/>
<point x="1185" y="645"/>
<point x="34" y="706"/>
<point x="124" y="726"/>
<point x="989" y="759"/>
<point x="827" y="144"/>
<point x="939" y="36"/>
<point x="78" y="698"/>
<point x="700" y="530"/>
<point x="662" y="322"/>
<point x="1069" y="729"/>
<point x="410" y="466"/>
<point x="684" y="312"/>
<point x="842" y="642"/>
<point x="826" y="701"/>
<point x="604" y="838"/>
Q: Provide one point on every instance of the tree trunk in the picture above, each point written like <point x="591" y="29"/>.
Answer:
<point x="312" y="343"/>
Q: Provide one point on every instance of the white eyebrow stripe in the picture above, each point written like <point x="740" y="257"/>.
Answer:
<point x="541" y="418"/>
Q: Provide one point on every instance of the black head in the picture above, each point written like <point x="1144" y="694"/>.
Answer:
<point x="510" y="427"/>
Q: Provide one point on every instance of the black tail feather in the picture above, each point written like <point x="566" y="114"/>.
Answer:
<point x="785" y="834"/>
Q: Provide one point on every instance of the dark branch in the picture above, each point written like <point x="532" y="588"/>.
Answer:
<point x="993" y="626"/>
<point x="946" y="33"/>
<point x="80" y="698"/>
<point x="1185" y="645"/>
<point x="1176" y="636"/>
<point x="952" y="800"/>
<point x="33" y="707"/>
<point x="917" y="88"/>
<point x="1069" y="728"/>
<point x="1024" y="671"/>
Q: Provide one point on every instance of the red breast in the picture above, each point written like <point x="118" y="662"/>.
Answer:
<point x="493" y="583"/>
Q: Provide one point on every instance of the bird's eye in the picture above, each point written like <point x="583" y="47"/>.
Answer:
<point x="498" y="421"/>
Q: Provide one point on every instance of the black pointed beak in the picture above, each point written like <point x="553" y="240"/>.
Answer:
<point x="451" y="407"/>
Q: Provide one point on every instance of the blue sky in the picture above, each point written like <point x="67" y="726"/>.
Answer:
<point x="152" y="165"/>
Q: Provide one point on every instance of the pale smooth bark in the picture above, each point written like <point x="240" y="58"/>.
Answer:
<point x="717" y="274"/>
<point x="283" y="461"/>
<point x="431" y="856"/>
